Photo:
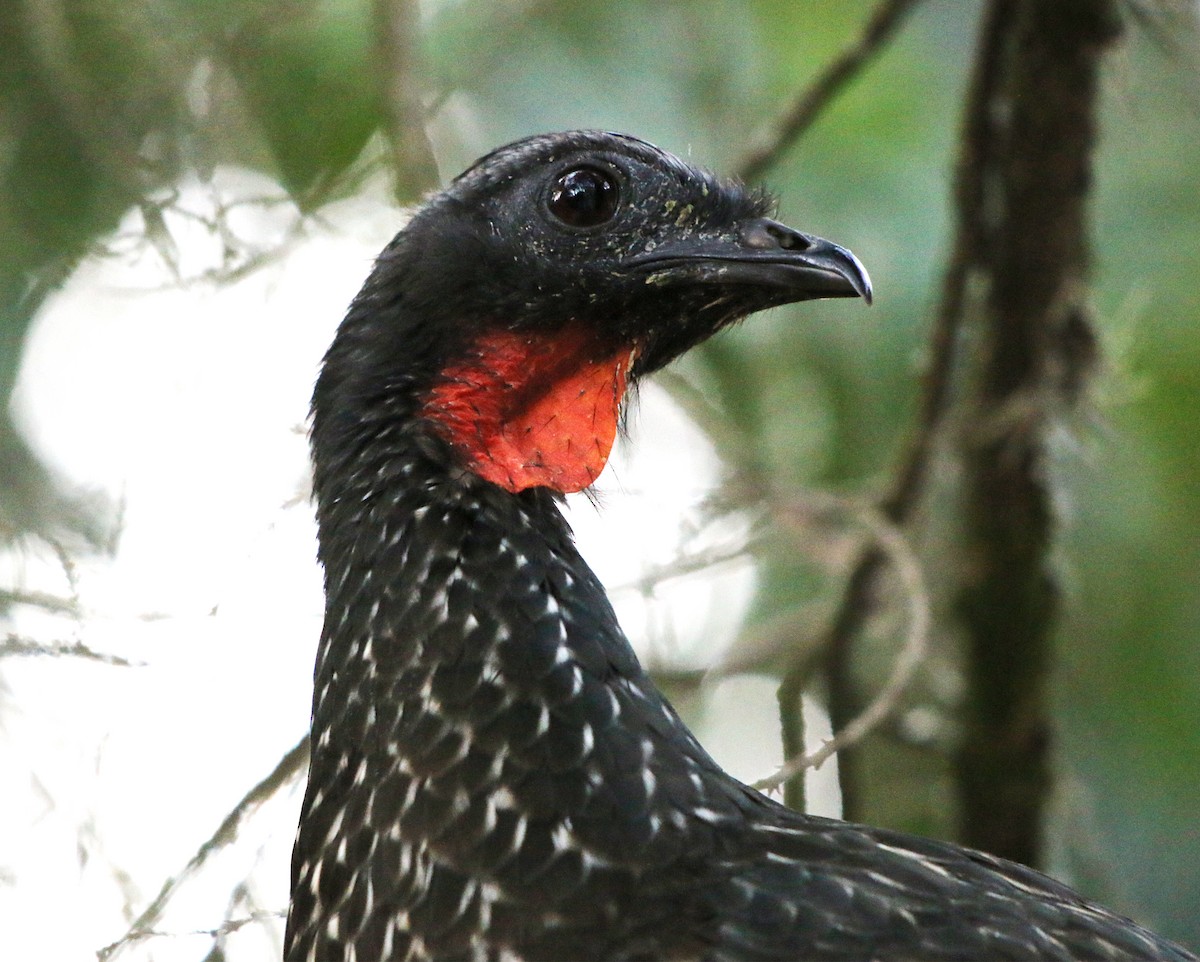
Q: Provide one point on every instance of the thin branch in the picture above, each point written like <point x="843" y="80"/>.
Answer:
<point x="789" y="696"/>
<point x="892" y="542"/>
<point x="69" y="568"/>
<point x="682" y="567"/>
<point x="808" y="105"/>
<point x="289" y="766"/>
<point x="675" y="679"/>
<point x="226" y="928"/>
<point x="15" y="645"/>
<point x="211" y="211"/>
<point x="55" y="604"/>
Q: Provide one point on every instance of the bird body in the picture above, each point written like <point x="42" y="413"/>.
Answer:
<point x="493" y="774"/>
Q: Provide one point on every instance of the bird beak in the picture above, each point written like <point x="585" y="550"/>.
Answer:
<point x="762" y="253"/>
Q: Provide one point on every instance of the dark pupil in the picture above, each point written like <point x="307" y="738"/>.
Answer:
<point x="584" y="198"/>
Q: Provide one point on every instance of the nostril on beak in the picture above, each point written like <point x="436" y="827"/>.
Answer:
<point x="788" y="239"/>
<point x="766" y="234"/>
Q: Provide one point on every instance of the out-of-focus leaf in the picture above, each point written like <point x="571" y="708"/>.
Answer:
<point x="81" y="87"/>
<point x="311" y="80"/>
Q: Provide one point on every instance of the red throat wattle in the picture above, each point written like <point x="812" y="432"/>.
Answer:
<point x="532" y="410"/>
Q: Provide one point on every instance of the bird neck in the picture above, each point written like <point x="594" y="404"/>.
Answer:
<point x="434" y="572"/>
<point x="484" y="739"/>
<point x="471" y="656"/>
<point x="417" y="550"/>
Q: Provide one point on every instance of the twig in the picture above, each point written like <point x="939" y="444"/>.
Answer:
<point x="15" y="645"/>
<point x="39" y="599"/>
<point x="226" y="928"/>
<point x="69" y="568"/>
<point x="682" y="567"/>
<point x="892" y="542"/>
<point x="789" y="696"/>
<point x="291" y="764"/>
<point x="808" y="105"/>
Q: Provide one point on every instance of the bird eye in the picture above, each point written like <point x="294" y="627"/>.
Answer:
<point x="584" y="197"/>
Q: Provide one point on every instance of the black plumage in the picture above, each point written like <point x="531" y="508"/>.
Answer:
<point x="493" y="774"/>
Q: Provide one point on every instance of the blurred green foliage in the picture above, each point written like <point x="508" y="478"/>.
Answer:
<point x="105" y="101"/>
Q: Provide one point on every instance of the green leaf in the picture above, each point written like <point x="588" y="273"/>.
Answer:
<point x="311" y="81"/>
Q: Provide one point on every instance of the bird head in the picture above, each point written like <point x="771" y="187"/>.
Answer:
<point x="518" y="304"/>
